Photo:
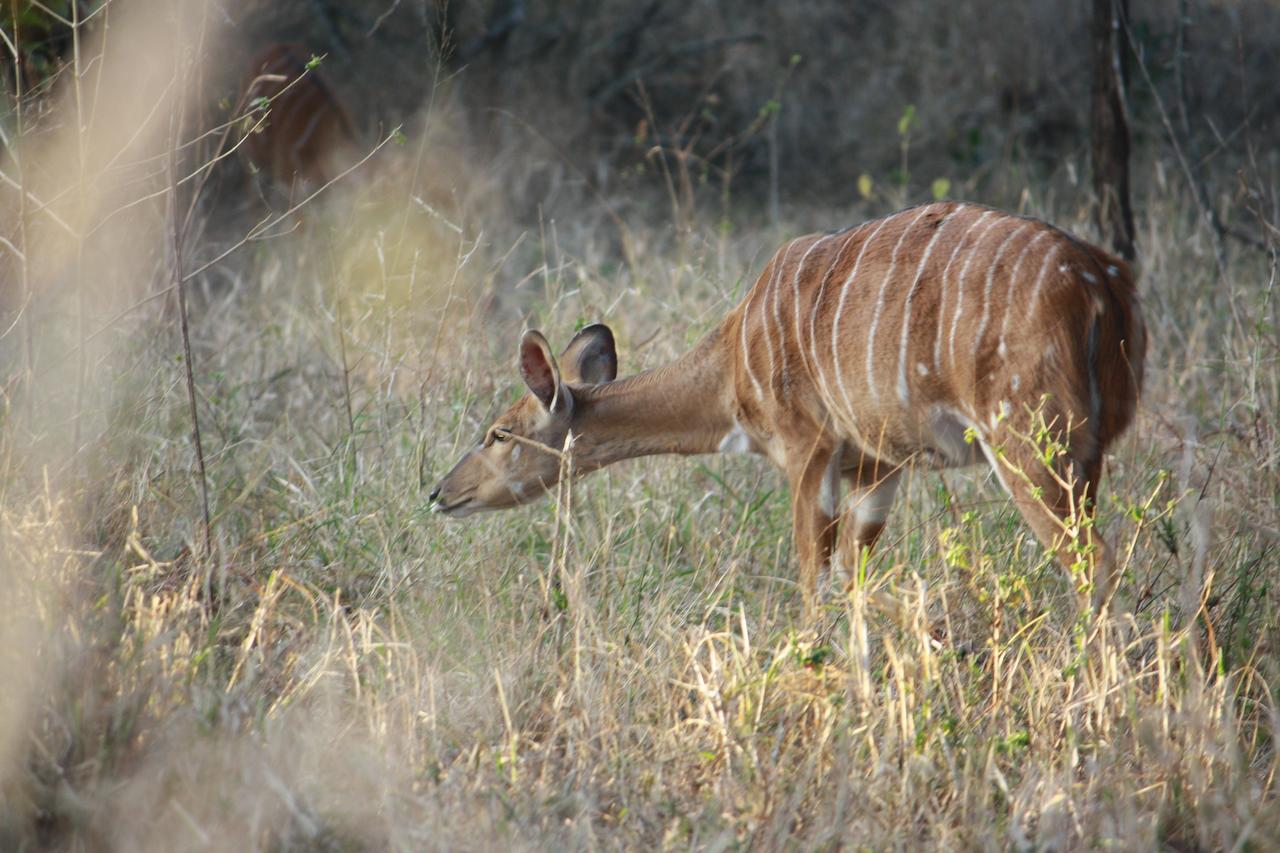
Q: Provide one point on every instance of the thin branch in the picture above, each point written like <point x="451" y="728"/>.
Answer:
<point x="41" y="207"/>
<point x="175" y="262"/>
<point x="1198" y="191"/>
<point x="688" y="48"/>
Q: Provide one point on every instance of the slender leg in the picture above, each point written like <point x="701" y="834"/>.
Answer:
<point x="813" y="468"/>
<point x="872" y="489"/>
<point x="1057" y="502"/>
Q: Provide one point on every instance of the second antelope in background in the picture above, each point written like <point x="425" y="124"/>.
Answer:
<point x="299" y="134"/>
<point x="944" y="335"/>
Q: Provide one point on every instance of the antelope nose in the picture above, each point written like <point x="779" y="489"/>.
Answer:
<point x="434" y="496"/>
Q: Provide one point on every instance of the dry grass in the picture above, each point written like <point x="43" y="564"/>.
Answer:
<point x="625" y="668"/>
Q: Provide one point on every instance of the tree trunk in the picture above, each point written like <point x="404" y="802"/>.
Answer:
<point x="1109" y="127"/>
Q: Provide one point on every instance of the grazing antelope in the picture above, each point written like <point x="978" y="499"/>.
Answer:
<point x="943" y="335"/>
<point x="306" y="137"/>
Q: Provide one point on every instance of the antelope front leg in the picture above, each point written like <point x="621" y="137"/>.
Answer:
<point x="814" y="473"/>
<point x="872" y="488"/>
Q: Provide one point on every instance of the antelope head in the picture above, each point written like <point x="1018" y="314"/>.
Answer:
<point x="519" y="456"/>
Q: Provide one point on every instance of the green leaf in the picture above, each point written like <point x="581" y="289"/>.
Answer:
<point x="864" y="185"/>
<point x="941" y="188"/>
<point x="908" y="117"/>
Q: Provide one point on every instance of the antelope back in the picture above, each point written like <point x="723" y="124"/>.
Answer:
<point x="307" y="137"/>
<point x="946" y="311"/>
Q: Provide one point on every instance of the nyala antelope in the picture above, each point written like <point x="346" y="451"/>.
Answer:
<point x="306" y="137"/>
<point x="944" y="335"/>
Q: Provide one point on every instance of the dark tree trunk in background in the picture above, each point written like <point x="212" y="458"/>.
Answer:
<point x="1109" y="127"/>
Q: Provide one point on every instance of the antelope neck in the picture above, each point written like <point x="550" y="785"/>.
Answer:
<point x="682" y="407"/>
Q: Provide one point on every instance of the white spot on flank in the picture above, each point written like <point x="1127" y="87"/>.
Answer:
<point x="1002" y="350"/>
<point x="922" y="368"/>
<point x="1062" y="267"/>
<point x="1049" y="352"/>
<point x="1016" y="382"/>
<point x="1113" y="270"/>
<point x="1089" y="277"/>
<point x="884" y="291"/>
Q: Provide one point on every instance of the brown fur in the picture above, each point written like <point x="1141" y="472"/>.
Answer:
<point x="858" y="353"/>
<point x="307" y="137"/>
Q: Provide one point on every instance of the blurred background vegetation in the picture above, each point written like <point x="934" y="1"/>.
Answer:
<point x="794" y="101"/>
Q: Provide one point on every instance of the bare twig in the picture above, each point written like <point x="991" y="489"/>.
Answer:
<point x="676" y="51"/>
<point x="346" y="389"/>
<point x="28" y="347"/>
<point x="1199" y="193"/>
<point x="82" y="307"/>
<point x="496" y="35"/>
<point x="175" y="270"/>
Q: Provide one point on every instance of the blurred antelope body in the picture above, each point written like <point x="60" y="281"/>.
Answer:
<point x="943" y="335"/>
<point x="306" y="137"/>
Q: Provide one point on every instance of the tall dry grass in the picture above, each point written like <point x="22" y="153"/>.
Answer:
<point x="624" y="667"/>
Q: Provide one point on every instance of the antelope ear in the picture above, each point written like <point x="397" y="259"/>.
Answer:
<point x="591" y="357"/>
<point x="538" y="367"/>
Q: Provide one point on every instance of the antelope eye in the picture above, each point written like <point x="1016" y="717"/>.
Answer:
<point x="500" y="434"/>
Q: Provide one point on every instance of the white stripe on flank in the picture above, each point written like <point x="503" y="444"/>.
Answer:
<point x="765" y="326"/>
<point x="813" y="316"/>
<point x="903" y="391"/>
<point x="1044" y="268"/>
<point x="942" y="297"/>
<point x="795" y="287"/>
<point x="964" y="272"/>
<point x="884" y="291"/>
<point x="1013" y="282"/>
<point x="991" y="275"/>
<point x="778" y="381"/>
<point x="844" y="292"/>
<point x="746" y="351"/>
